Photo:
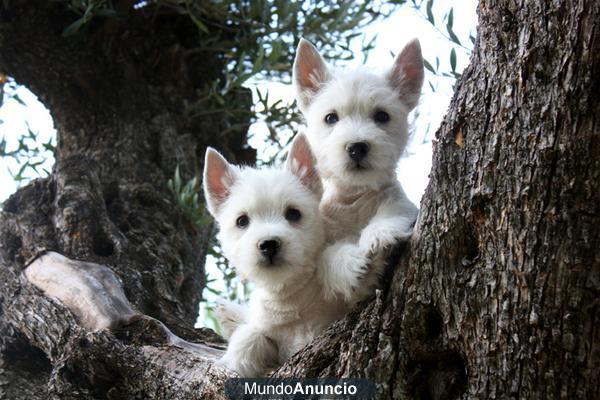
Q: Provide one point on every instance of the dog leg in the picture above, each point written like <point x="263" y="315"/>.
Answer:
<point x="250" y="353"/>
<point x="229" y="315"/>
<point x="343" y="265"/>
<point x="382" y="233"/>
<point x="392" y="223"/>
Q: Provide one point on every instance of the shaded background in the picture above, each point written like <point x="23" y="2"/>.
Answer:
<point x="26" y="125"/>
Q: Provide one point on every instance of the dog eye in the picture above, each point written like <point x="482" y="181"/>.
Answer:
<point x="293" y="214"/>
<point x="331" y="118"/>
<point x="242" y="221"/>
<point x="381" y="117"/>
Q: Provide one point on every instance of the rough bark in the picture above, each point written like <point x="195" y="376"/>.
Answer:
<point x="496" y="295"/>
<point x="119" y="97"/>
<point x="124" y="96"/>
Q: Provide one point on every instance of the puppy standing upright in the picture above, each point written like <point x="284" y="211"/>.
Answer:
<point x="271" y="231"/>
<point x="357" y="127"/>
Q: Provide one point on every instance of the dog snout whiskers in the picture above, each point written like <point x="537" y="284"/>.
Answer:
<point x="357" y="151"/>
<point x="269" y="248"/>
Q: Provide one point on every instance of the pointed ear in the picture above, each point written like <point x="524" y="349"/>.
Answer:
<point x="301" y="162"/>
<point x="309" y="73"/>
<point x="219" y="176"/>
<point x="407" y="73"/>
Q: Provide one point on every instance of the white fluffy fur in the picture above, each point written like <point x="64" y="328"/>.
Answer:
<point x="305" y="289"/>
<point x="355" y="96"/>
<point x="367" y="205"/>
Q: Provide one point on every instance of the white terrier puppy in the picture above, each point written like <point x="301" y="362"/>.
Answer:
<point x="271" y="231"/>
<point x="357" y="127"/>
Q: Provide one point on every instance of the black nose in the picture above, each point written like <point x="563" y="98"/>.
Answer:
<point x="357" y="151"/>
<point x="269" y="248"/>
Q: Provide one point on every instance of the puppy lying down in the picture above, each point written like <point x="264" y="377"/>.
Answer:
<point x="271" y="231"/>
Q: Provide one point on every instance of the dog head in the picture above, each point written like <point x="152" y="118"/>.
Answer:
<point x="357" y="120"/>
<point x="269" y="227"/>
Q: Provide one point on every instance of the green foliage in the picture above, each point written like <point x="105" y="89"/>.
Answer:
<point x="30" y="152"/>
<point x="187" y="199"/>
<point x="446" y="29"/>
<point x="281" y="121"/>
<point x="88" y="9"/>
<point x="257" y="39"/>
<point x="264" y="31"/>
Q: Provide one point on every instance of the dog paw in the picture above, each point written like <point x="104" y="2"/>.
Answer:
<point x="229" y="364"/>
<point x="346" y="266"/>
<point x="377" y="238"/>
<point x="229" y="316"/>
<point x="233" y="363"/>
<point x="356" y="266"/>
<point x="221" y="363"/>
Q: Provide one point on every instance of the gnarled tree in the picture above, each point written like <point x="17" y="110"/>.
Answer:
<point x="496" y="295"/>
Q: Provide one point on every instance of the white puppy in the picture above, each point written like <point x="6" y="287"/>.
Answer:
<point x="271" y="231"/>
<point x="357" y="127"/>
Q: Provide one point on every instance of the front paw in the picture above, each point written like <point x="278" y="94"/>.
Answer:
<point x="377" y="238"/>
<point x="225" y="363"/>
<point x="235" y="364"/>
<point x="356" y="265"/>
<point x="229" y="316"/>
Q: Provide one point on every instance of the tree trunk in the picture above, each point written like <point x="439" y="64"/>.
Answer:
<point x="496" y="295"/>
<point x="123" y="97"/>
